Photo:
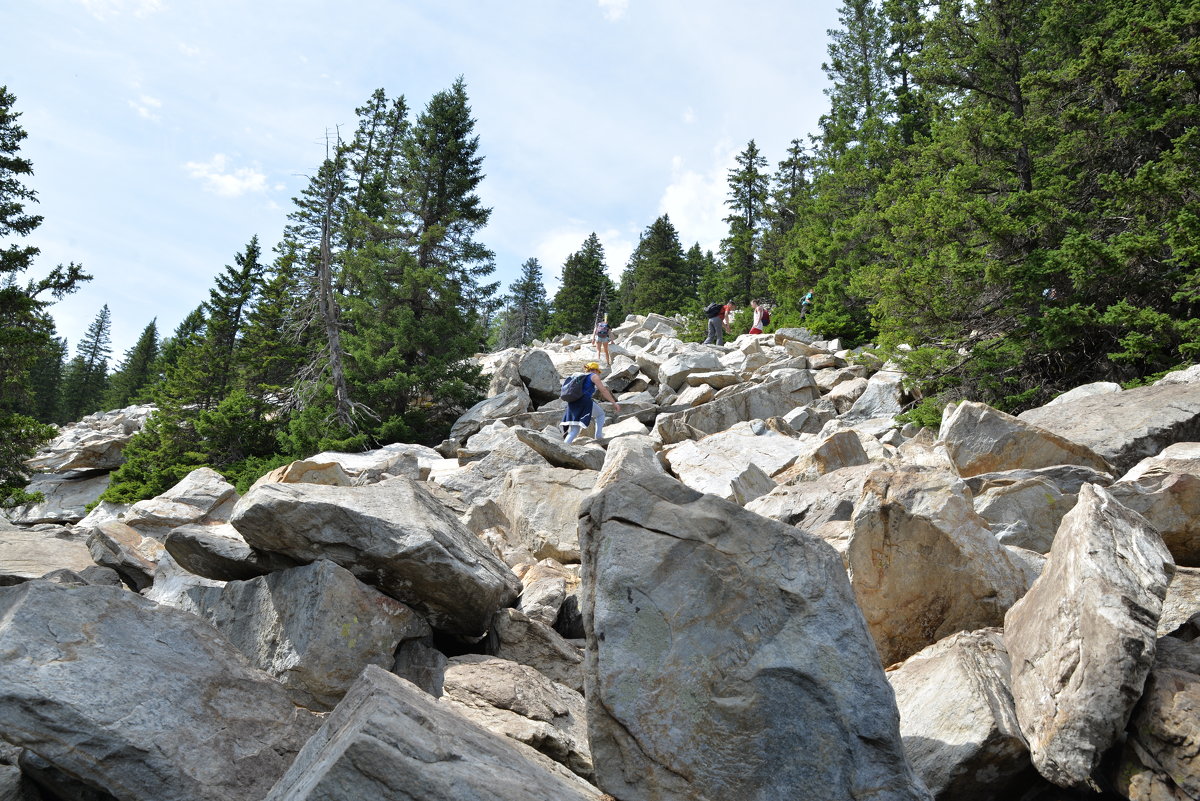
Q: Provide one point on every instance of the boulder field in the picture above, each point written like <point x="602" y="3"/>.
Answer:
<point x="757" y="586"/>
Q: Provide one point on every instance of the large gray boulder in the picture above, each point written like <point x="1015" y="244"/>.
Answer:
<point x="541" y="504"/>
<point x="313" y="627"/>
<point x="483" y="479"/>
<point x="131" y="553"/>
<point x="1128" y="426"/>
<point x="1025" y="513"/>
<point x="559" y="453"/>
<point x="980" y="439"/>
<point x="627" y="456"/>
<point x="726" y="657"/>
<point x="823" y="507"/>
<point x="1082" y="640"/>
<point x="883" y="396"/>
<point x="389" y="741"/>
<point x="516" y="701"/>
<point x="541" y="379"/>
<point x="958" y="720"/>
<point x="674" y="371"/>
<point x="26" y="554"/>
<point x="506" y="404"/>
<point x="64" y="498"/>
<point x="392" y="535"/>
<point x="924" y="565"/>
<point x="143" y="701"/>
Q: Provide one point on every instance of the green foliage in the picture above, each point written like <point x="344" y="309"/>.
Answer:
<point x="584" y="281"/>
<point x="658" y="278"/>
<point x="20" y="437"/>
<point x="136" y="372"/>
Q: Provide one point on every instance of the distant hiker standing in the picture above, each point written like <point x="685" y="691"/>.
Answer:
<point x="805" y="305"/>
<point x="715" y="313"/>
<point x="761" y="317"/>
<point x="580" y="410"/>
<point x="600" y="338"/>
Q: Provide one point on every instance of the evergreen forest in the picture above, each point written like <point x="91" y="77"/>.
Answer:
<point x="1003" y="195"/>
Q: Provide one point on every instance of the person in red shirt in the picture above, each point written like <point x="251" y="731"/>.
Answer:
<point x="727" y="317"/>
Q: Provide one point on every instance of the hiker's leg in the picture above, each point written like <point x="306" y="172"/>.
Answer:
<point x="598" y="416"/>
<point x="572" y="434"/>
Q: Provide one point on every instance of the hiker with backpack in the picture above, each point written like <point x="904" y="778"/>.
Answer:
<point x="577" y="391"/>
<point x="601" y="336"/>
<point x="762" y="316"/>
<point x="715" y="313"/>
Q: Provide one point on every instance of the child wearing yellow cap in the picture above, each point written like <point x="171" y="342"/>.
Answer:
<point x="579" y="413"/>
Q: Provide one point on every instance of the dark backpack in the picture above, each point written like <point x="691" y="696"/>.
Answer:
<point x="572" y="387"/>
<point x="712" y="310"/>
<point x="602" y="330"/>
<point x="765" y="320"/>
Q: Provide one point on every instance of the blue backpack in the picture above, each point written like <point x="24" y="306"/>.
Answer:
<point x="572" y="387"/>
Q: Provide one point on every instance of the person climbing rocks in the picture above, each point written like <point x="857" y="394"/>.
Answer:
<point x="727" y="316"/>
<point x="716" y="318"/>
<point x="601" y="336"/>
<point x="579" y="413"/>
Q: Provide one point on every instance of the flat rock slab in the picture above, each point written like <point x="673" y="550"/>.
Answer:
<point x="1082" y="639"/>
<point x="392" y="535"/>
<point x="1128" y="426"/>
<point x="389" y="741"/>
<point x="147" y="702"/>
<point x="65" y="498"/>
<point x="541" y="505"/>
<point x="26" y="554"/>
<point x="726" y="657"/>
<point x="559" y="453"/>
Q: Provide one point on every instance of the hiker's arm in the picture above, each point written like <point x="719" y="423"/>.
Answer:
<point x="608" y="396"/>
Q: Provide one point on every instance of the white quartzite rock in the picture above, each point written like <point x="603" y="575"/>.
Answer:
<point x="981" y="439"/>
<point x="958" y="720"/>
<point x="146" y="702"/>
<point x="628" y="456"/>
<point x="203" y="494"/>
<point x="1127" y="426"/>
<point x="1086" y="391"/>
<point x="392" y="535"/>
<point x="1171" y="502"/>
<point x="923" y="565"/>
<point x="94" y="443"/>
<point x="1082" y="640"/>
<point x="726" y="657"/>
<point x="388" y="740"/>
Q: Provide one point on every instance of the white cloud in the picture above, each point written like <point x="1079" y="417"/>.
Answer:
<point x="554" y="248"/>
<point x="145" y="106"/>
<point x="614" y="9"/>
<point x="689" y="115"/>
<point x="191" y="51"/>
<point x="221" y="180"/>
<point x="100" y="9"/>
<point x="695" y="200"/>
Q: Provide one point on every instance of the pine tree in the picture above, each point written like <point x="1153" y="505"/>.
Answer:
<point x="26" y="330"/>
<point x="133" y="377"/>
<point x="526" y="308"/>
<point x="87" y="375"/>
<point x="585" y="282"/>
<point x="747" y="204"/>
<point x="46" y="378"/>
<point x="657" y="278"/>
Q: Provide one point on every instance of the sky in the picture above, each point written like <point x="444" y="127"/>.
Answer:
<point x="164" y="134"/>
